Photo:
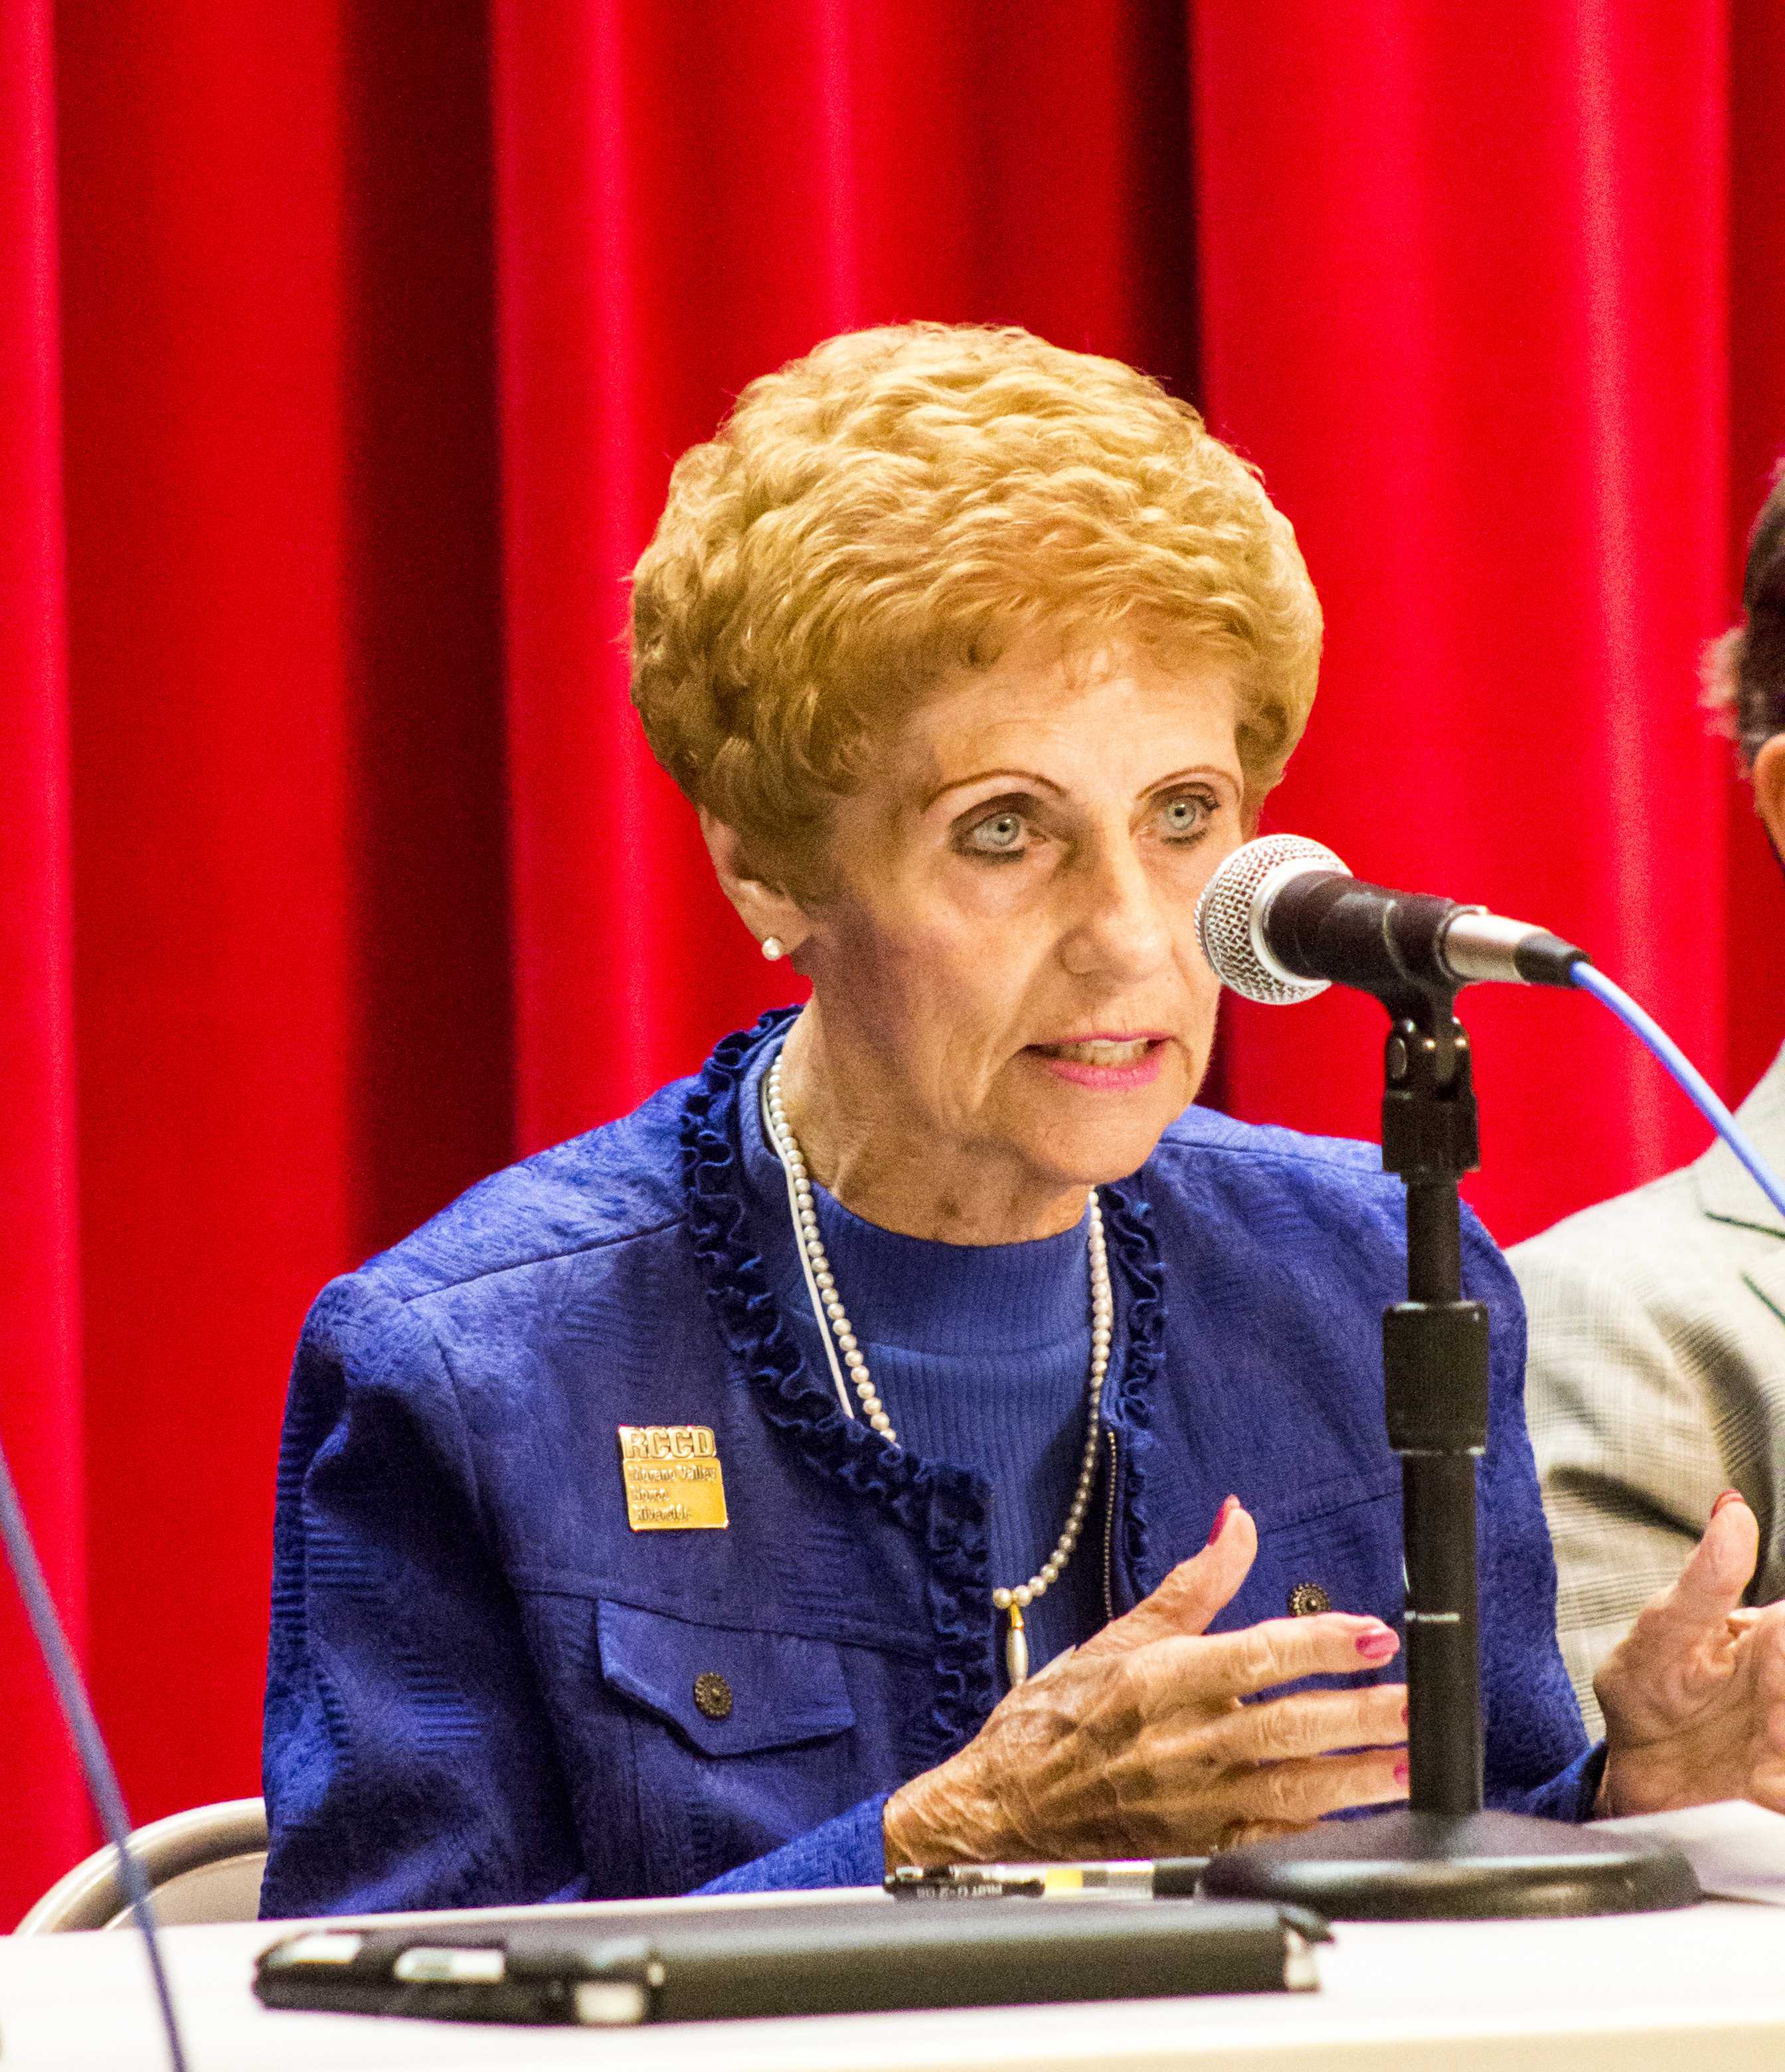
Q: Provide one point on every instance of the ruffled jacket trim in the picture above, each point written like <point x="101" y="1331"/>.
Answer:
<point x="941" y="1506"/>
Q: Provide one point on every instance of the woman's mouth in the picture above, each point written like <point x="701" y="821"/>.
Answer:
<point x="1108" y="1061"/>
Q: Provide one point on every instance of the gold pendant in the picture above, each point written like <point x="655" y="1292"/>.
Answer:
<point x="673" y="1480"/>
<point x="1016" y="1649"/>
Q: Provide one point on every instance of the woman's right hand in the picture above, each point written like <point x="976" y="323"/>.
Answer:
<point x="1140" y="1743"/>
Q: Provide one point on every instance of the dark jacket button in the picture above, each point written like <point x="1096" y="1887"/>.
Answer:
<point x="713" y="1694"/>
<point x="1305" y="1599"/>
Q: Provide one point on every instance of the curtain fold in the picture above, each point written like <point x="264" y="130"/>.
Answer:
<point x="202" y="270"/>
<point x="1485" y="366"/>
<point x="41" y="1813"/>
<point x="345" y="348"/>
<point x="291" y="1010"/>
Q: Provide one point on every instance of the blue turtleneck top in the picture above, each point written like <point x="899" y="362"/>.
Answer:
<point x="981" y="1356"/>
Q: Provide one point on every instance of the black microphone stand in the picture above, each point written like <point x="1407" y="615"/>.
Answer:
<point x="1442" y="1856"/>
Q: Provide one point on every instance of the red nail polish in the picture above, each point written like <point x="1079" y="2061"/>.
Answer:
<point x="1401" y="1772"/>
<point x="1404" y="1716"/>
<point x="1377" y="1646"/>
<point x="1221" y="1517"/>
<point x="1728" y="1496"/>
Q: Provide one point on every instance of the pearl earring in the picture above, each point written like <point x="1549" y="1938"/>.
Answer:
<point x="773" y="947"/>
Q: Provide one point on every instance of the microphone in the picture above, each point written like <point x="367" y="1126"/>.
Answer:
<point x="1283" y="918"/>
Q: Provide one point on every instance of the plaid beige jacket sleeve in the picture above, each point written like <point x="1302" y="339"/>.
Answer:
<point x="1655" y="1379"/>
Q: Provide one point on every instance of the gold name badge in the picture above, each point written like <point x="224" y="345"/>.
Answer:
<point x="673" y="1483"/>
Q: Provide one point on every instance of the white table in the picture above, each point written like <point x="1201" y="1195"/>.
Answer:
<point x="1703" y="1988"/>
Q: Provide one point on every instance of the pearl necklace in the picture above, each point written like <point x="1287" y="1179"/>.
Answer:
<point x="839" y="1339"/>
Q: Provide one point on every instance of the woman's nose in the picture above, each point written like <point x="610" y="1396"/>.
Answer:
<point x="1118" y="929"/>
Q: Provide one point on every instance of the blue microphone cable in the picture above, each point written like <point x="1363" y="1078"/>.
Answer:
<point x="1691" y="1081"/>
<point x="95" y="1764"/>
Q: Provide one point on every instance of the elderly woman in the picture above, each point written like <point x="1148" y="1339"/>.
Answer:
<point x="923" y="1436"/>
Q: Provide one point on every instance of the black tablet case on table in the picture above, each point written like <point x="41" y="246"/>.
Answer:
<point x="817" y="1958"/>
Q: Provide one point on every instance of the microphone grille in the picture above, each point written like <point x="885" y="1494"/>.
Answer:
<point x="1230" y="913"/>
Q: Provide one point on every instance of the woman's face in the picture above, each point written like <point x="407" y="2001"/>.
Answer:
<point x="1009" y="1001"/>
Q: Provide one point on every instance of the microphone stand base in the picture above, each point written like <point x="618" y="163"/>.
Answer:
<point x="1408" y="1866"/>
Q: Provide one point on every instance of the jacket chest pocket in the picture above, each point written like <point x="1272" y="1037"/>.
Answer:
<point x="1344" y="1558"/>
<point x="740" y="1740"/>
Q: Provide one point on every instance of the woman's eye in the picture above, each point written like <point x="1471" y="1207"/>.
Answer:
<point x="998" y="834"/>
<point x="1186" y="817"/>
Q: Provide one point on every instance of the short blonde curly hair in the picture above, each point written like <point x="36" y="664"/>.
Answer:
<point x="907" y="501"/>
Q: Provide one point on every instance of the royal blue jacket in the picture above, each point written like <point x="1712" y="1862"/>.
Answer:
<point x="481" y="1687"/>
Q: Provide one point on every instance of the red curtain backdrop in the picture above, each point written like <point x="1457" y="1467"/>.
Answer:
<point x="344" y="350"/>
<point x="42" y="1415"/>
